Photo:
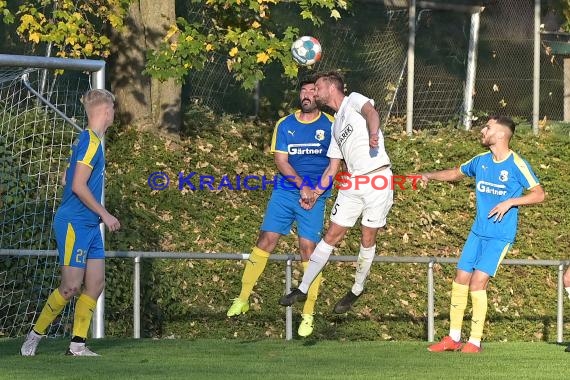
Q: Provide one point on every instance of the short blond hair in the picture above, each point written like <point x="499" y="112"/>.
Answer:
<point x="96" y="97"/>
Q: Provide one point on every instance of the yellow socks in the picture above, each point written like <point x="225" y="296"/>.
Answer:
<point x="253" y="269"/>
<point x="479" y="301"/>
<point x="83" y="312"/>
<point x="54" y="305"/>
<point x="309" y="307"/>
<point x="459" y="295"/>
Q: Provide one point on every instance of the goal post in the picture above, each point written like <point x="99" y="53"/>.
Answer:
<point x="40" y="117"/>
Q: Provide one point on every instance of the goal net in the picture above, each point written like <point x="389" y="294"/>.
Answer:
<point x="40" y="116"/>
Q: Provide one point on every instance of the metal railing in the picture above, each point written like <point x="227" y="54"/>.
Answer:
<point x="289" y="258"/>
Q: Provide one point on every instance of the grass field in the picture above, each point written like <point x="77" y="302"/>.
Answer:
<point x="275" y="359"/>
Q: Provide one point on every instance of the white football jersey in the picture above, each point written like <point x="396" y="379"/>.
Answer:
<point x="351" y="141"/>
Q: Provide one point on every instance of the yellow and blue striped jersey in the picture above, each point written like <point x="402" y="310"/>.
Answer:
<point x="495" y="182"/>
<point x="87" y="150"/>
<point x="306" y="143"/>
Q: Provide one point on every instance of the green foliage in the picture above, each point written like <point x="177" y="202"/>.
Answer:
<point x="242" y="31"/>
<point x="561" y="8"/>
<point x="190" y="298"/>
<point x="74" y="28"/>
<point x="5" y="13"/>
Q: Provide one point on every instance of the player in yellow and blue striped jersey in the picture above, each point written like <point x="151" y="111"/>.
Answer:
<point x="77" y="231"/>
<point x="501" y="178"/>
<point x="299" y="144"/>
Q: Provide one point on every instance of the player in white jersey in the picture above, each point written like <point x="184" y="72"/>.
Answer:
<point x="359" y="141"/>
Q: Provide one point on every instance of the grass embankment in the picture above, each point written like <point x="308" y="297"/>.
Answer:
<point x="189" y="298"/>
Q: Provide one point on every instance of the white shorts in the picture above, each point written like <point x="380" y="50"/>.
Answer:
<point x="372" y="200"/>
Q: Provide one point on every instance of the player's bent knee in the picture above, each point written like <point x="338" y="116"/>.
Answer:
<point x="477" y="284"/>
<point x="69" y="290"/>
<point x="334" y="235"/>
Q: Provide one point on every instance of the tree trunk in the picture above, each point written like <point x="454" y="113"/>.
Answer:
<point x="141" y="100"/>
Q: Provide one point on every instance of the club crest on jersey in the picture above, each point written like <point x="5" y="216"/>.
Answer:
<point x="320" y="135"/>
<point x="504" y="176"/>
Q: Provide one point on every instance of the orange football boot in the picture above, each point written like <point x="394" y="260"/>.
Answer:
<point x="446" y="344"/>
<point x="470" y="348"/>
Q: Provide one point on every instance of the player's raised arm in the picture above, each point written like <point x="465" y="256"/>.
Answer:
<point x="372" y="123"/>
<point x="327" y="178"/>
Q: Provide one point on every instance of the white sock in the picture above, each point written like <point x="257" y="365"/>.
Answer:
<point x="476" y="342"/>
<point x="317" y="262"/>
<point x="568" y="291"/>
<point x="365" y="258"/>
<point x="455" y="335"/>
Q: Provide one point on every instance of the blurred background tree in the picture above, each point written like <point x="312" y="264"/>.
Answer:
<point x="151" y="50"/>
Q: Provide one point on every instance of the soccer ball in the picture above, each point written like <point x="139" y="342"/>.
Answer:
<point x="306" y="50"/>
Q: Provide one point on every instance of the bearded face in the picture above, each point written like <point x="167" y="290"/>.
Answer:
<point x="489" y="133"/>
<point x="322" y="92"/>
<point x="307" y="98"/>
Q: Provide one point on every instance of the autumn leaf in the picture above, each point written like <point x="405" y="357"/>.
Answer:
<point x="172" y="31"/>
<point x="25" y="21"/>
<point x="35" y="37"/>
<point x="262" y="57"/>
